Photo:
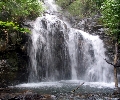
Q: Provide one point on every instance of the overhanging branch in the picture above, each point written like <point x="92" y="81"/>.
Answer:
<point x="111" y="63"/>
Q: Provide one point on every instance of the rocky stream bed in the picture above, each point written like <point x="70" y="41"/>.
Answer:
<point x="31" y="94"/>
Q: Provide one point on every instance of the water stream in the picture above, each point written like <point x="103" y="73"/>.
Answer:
<point x="60" y="52"/>
<point x="62" y="57"/>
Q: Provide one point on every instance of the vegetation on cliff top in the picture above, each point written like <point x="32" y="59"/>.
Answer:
<point x="14" y="12"/>
<point x="81" y="8"/>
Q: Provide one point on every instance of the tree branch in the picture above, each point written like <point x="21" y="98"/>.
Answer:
<point x="111" y="63"/>
<point x="77" y="88"/>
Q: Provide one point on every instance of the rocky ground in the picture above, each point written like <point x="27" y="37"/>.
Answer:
<point x="9" y="94"/>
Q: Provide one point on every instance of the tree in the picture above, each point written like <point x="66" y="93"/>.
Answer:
<point x="111" y="19"/>
<point x="17" y="11"/>
<point x="13" y="13"/>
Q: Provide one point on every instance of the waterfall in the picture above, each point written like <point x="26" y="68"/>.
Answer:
<point x="59" y="52"/>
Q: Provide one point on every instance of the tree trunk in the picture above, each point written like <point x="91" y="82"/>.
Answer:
<point x="115" y="63"/>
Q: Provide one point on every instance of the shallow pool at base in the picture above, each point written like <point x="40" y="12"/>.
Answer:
<point x="71" y="89"/>
<point x="66" y="86"/>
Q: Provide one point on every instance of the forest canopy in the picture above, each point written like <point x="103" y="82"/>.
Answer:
<point x="111" y="17"/>
<point x="14" y="12"/>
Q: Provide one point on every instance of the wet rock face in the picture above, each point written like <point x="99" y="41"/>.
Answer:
<point x="13" y="60"/>
<point x="91" y="25"/>
<point x="12" y="71"/>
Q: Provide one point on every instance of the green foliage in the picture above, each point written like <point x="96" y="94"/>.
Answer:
<point x="75" y="8"/>
<point x="14" y="12"/>
<point x="81" y="8"/>
<point x="63" y="3"/>
<point x="98" y="3"/>
<point x="16" y="9"/>
<point x="11" y="26"/>
<point x="111" y="17"/>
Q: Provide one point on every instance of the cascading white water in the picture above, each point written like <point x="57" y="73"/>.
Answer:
<point x="73" y="49"/>
<point x="61" y="53"/>
<point x="91" y="61"/>
<point x="93" y="58"/>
